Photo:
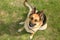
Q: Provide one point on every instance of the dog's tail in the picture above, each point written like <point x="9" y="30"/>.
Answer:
<point x="28" y="5"/>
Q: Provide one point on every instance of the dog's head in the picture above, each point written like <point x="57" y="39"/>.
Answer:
<point x="35" y="18"/>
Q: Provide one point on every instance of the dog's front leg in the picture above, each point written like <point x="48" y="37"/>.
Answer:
<point x="31" y="36"/>
<point x="21" y="29"/>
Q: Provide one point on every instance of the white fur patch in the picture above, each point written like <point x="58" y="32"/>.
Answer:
<point x="31" y="37"/>
<point x="21" y="23"/>
<point x="43" y="27"/>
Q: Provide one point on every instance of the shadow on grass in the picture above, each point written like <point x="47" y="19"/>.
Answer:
<point x="12" y="28"/>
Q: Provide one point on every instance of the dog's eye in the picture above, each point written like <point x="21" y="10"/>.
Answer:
<point x="32" y="18"/>
<point x="35" y="20"/>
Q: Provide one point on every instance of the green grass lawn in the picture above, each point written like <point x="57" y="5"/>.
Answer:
<point x="13" y="11"/>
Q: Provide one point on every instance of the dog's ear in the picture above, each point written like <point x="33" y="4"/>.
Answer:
<point x="40" y="13"/>
<point x="34" y="10"/>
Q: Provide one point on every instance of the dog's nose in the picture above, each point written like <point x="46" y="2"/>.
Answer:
<point x="31" y="25"/>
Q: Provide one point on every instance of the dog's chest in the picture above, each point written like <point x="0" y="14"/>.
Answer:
<point x="30" y="30"/>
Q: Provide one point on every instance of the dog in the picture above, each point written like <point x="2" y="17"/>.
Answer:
<point x="36" y="20"/>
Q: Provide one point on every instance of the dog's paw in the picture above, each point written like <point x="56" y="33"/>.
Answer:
<point x="31" y="37"/>
<point x="19" y="30"/>
<point x="21" y="23"/>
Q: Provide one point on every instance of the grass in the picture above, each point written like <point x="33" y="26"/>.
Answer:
<point x="13" y="11"/>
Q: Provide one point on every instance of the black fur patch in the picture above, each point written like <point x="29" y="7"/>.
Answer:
<point x="44" y="19"/>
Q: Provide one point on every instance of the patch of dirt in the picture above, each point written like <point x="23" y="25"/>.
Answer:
<point x="3" y="16"/>
<point x="3" y="13"/>
<point x="41" y="37"/>
<point x="17" y="3"/>
<point x="15" y="17"/>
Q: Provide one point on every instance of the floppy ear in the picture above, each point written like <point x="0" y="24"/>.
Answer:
<point x="34" y="10"/>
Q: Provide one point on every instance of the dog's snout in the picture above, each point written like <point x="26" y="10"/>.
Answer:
<point x="31" y="24"/>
